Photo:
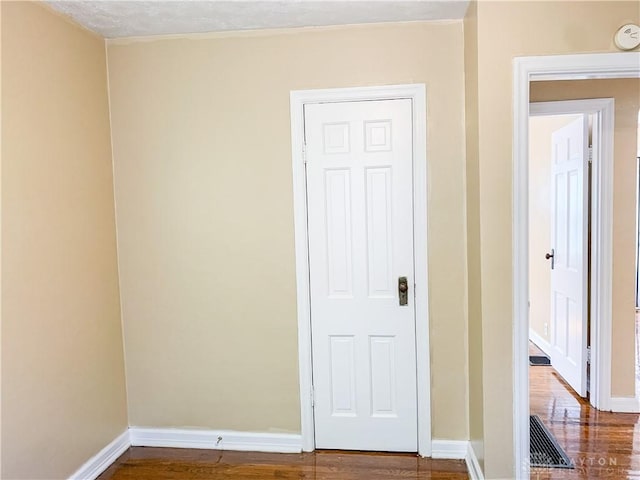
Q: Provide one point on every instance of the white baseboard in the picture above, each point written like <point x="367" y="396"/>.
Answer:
<point x="451" y="449"/>
<point x="216" y="440"/>
<point x="240" y="441"/>
<point x="458" y="450"/>
<point x="540" y="342"/>
<point x="625" y="404"/>
<point x="475" y="472"/>
<point x="103" y="459"/>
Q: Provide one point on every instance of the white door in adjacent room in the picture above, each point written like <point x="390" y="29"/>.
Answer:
<point x="359" y="165"/>
<point x="569" y="262"/>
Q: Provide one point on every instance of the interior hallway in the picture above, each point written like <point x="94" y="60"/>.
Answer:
<point x="601" y="444"/>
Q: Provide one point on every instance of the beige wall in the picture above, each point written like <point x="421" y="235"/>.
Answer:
<point x="626" y="93"/>
<point x="507" y="30"/>
<point x="202" y="152"/>
<point x="63" y="390"/>
<point x="540" y="131"/>
<point x="474" y="301"/>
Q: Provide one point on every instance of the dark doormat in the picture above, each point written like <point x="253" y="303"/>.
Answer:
<point x="539" y="360"/>
<point x="544" y="450"/>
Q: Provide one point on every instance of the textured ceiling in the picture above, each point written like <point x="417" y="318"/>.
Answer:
<point x="113" y="19"/>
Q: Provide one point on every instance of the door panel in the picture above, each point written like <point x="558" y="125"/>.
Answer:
<point x="569" y="241"/>
<point x="360" y="221"/>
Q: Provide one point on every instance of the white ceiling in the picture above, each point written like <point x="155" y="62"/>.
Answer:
<point x="116" y="18"/>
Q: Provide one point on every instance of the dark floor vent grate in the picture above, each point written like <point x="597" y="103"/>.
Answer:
<point x="544" y="450"/>
<point x="535" y="360"/>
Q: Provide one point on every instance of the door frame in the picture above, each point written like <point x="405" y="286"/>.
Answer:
<point x="603" y="110"/>
<point x="298" y="99"/>
<point x="525" y="70"/>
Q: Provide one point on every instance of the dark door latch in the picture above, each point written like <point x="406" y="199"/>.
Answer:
<point x="403" y="290"/>
<point x="552" y="257"/>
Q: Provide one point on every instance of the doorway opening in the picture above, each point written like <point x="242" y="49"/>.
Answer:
<point x="561" y="141"/>
<point x="559" y="239"/>
<point x="570" y="149"/>
<point x="565" y="67"/>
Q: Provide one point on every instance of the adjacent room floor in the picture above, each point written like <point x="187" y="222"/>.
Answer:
<point x="601" y="444"/>
<point x="141" y="463"/>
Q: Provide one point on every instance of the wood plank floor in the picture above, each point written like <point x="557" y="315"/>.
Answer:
<point x="534" y="350"/>
<point x="139" y="463"/>
<point x="603" y="445"/>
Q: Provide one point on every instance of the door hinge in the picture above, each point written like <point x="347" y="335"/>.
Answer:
<point x="590" y="154"/>
<point x="313" y="400"/>
<point x="304" y="153"/>
<point x="589" y="355"/>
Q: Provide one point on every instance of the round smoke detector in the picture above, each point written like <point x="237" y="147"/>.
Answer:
<point x="627" y="37"/>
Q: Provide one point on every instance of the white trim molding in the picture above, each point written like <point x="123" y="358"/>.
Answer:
<point x="473" y="465"/>
<point x="525" y="70"/>
<point x="450" y="449"/>
<point x="417" y="94"/>
<point x="103" y="459"/>
<point x="215" y="440"/>
<point x="584" y="66"/>
<point x="458" y="450"/>
<point x="625" y="404"/>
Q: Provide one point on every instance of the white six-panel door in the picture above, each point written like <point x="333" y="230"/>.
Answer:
<point x="360" y="222"/>
<point x="569" y="223"/>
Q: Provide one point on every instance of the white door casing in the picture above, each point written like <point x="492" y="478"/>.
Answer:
<point x="299" y="99"/>
<point x="360" y="221"/>
<point x="563" y="67"/>
<point x="569" y="223"/>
